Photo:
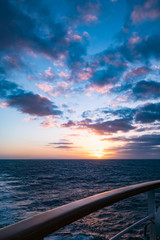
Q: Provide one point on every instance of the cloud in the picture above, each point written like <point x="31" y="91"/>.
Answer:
<point x="147" y="89"/>
<point x="101" y="126"/>
<point x="144" y="146"/>
<point x="30" y="119"/>
<point x="64" y="147"/>
<point x="69" y="124"/>
<point x="109" y="67"/>
<point x="60" y="89"/>
<point x="147" y="48"/>
<point x="21" y="29"/>
<point x="48" y="75"/>
<point x="78" y="124"/>
<point x="33" y="104"/>
<point x="149" y="10"/>
<point x="123" y="125"/>
<point x="27" y="102"/>
<point x="87" y="12"/>
<point x="46" y="124"/>
<point x="33" y="29"/>
<point x="139" y="71"/>
<point x="7" y="88"/>
<point x="148" y="113"/>
<point x="62" y="144"/>
<point x="63" y="75"/>
<point x="122" y="113"/>
<point x="108" y="76"/>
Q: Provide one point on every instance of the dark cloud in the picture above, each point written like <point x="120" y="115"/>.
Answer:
<point x="108" y="76"/>
<point x="121" y="113"/>
<point x="85" y="12"/>
<point x="32" y="27"/>
<point x="145" y="11"/>
<point x="27" y="102"/>
<point x="64" y="147"/>
<point x="148" y="113"/>
<point x="145" y="146"/>
<point x="21" y="29"/>
<point x="63" y="144"/>
<point x="109" y="67"/>
<point x="147" y="89"/>
<point x="7" y="88"/>
<point x="114" y="126"/>
<point x="102" y="126"/>
<point x="33" y="104"/>
<point x="148" y="47"/>
<point x="147" y="139"/>
<point x="136" y="72"/>
<point x="68" y="124"/>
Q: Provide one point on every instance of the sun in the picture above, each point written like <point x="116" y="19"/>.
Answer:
<point x="98" y="153"/>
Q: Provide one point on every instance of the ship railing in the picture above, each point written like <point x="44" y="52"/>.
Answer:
<point x="43" y="224"/>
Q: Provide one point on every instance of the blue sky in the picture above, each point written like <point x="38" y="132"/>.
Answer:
<point x="80" y="79"/>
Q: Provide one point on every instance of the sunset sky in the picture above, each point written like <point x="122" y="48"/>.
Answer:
<point x="79" y="79"/>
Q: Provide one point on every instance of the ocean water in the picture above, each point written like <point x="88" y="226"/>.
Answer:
<point x="29" y="187"/>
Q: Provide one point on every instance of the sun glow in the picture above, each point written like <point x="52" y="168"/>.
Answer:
<point x="98" y="153"/>
<point x="92" y="144"/>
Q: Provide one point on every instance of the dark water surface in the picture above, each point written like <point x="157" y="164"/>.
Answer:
<point x="28" y="187"/>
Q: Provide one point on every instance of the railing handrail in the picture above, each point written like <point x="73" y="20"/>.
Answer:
<point x="43" y="224"/>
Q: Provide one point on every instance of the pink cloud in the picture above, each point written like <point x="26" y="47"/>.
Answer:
<point x="78" y="124"/>
<point x="63" y="75"/>
<point x="148" y="11"/>
<point x="86" y="74"/>
<point x="89" y="12"/>
<point x="156" y="67"/>
<point x="13" y="61"/>
<point x="113" y="103"/>
<point x="77" y="37"/>
<point x="61" y="61"/>
<point x="122" y="98"/>
<point x="45" y="87"/>
<point x="49" y="73"/>
<point x="3" y="104"/>
<point x="134" y="40"/>
<point x="30" y="119"/>
<point x="46" y="124"/>
<point x="137" y="72"/>
<point x="71" y="36"/>
<point x="99" y="89"/>
<point x="31" y="53"/>
<point x="115" y="60"/>
<point x="88" y="94"/>
<point x="90" y="18"/>
<point x="56" y="90"/>
<point x="70" y="110"/>
<point x="31" y="77"/>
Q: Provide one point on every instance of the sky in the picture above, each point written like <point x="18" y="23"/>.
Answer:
<point x="80" y="79"/>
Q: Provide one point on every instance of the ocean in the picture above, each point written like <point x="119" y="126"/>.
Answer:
<point x="29" y="187"/>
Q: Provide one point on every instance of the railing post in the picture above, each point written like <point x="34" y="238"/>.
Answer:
<point x="151" y="211"/>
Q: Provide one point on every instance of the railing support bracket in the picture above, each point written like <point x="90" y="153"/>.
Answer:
<point x="152" y="211"/>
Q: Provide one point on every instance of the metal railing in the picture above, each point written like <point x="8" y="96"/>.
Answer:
<point x="41" y="225"/>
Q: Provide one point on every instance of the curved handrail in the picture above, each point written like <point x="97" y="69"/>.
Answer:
<point x="43" y="224"/>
